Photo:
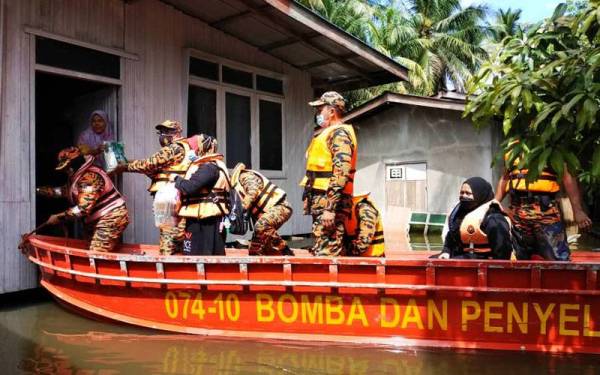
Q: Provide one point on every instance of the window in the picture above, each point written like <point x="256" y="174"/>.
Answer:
<point x="243" y="107"/>
<point x="237" y="118"/>
<point x="58" y="54"/>
<point x="237" y="77"/>
<point x="204" y="69"/>
<point x="202" y="111"/>
<point x="270" y="135"/>
<point x="267" y="84"/>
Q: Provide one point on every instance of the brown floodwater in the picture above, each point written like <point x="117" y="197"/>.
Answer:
<point x="40" y="337"/>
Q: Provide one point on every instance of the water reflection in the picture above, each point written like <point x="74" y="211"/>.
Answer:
<point x="42" y="338"/>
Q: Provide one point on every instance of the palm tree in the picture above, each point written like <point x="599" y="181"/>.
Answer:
<point x="349" y="15"/>
<point x="438" y="41"/>
<point x="506" y="24"/>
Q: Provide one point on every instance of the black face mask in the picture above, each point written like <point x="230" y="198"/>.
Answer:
<point x="77" y="163"/>
<point x="165" y="139"/>
<point x="468" y="204"/>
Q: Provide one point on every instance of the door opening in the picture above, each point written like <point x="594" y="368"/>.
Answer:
<point x="63" y="107"/>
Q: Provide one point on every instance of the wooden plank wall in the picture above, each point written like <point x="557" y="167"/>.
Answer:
<point x="153" y="89"/>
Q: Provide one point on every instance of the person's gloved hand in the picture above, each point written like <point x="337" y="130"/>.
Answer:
<point x="55" y="219"/>
<point x="120" y="168"/>
<point x="45" y="191"/>
<point x="444" y="256"/>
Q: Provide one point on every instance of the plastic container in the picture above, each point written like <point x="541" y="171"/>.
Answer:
<point x="114" y="155"/>
<point x="166" y="205"/>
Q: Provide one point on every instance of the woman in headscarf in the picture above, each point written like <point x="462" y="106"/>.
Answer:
<point x="478" y="227"/>
<point x="204" y="194"/>
<point x="91" y="141"/>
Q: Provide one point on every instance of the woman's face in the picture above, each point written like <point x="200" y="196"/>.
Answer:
<point x="98" y="124"/>
<point x="466" y="194"/>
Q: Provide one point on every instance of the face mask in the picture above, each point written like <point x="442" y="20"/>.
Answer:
<point x="320" y="119"/>
<point x="165" y="140"/>
<point x="468" y="204"/>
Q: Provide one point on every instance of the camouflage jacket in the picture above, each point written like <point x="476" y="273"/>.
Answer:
<point x="367" y="226"/>
<point x="252" y="185"/>
<point x="89" y="188"/>
<point x="340" y="146"/>
<point x="165" y="157"/>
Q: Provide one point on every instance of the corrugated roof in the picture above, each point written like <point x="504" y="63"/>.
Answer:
<point x="450" y="101"/>
<point x="301" y="38"/>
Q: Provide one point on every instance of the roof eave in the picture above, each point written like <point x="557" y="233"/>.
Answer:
<point x="326" y="28"/>
<point x="394" y="98"/>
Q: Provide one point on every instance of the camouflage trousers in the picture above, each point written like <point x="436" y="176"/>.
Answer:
<point x="171" y="238"/>
<point x="539" y="230"/>
<point x="106" y="232"/>
<point x="265" y="239"/>
<point x="328" y="241"/>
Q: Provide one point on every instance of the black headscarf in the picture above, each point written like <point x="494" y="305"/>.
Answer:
<point x="482" y="193"/>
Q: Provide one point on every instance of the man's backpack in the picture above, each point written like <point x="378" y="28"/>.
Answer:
<point x="236" y="221"/>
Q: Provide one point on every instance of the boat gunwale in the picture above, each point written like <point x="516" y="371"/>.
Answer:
<point x="284" y="283"/>
<point x="38" y="241"/>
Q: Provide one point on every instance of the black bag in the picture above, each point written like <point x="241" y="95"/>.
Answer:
<point x="238" y="220"/>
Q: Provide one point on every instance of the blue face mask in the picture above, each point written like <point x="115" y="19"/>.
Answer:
<point x="320" y="119"/>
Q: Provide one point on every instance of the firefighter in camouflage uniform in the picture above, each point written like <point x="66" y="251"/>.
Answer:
<point x="330" y="168"/>
<point x="538" y="226"/>
<point x="94" y="198"/>
<point x="269" y="208"/>
<point x="364" y="229"/>
<point x="174" y="158"/>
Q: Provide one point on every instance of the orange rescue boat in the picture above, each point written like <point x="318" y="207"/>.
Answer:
<point x="405" y="299"/>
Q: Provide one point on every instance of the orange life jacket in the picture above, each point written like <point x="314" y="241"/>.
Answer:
<point x="472" y="237"/>
<point x="351" y="225"/>
<point x="208" y="202"/>
<point x="110" y="198"/>
<point x="162" y="177"/>
<point x="517" y="180"/>
<point x="319" y="160"/>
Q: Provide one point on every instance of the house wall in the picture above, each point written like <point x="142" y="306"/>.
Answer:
<point x="153" y="89"/>
<point x="452" y="148"/>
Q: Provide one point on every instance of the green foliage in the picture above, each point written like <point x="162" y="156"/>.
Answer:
<point x="505" y="24"/>
<point x="542" y="87"/>
<point x="437" y="41"/>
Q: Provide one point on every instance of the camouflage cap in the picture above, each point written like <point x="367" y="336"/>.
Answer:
<point x="65" y="156"/>
<point x="330" y="98"/>
<point x="170" y="125"/>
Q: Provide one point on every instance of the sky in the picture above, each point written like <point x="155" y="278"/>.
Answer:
<point x="533" y="10"/>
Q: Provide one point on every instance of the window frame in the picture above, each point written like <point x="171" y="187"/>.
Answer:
<point x="255" y="96"/>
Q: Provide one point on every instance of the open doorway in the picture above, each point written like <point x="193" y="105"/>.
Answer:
<point x="63" y="107"/>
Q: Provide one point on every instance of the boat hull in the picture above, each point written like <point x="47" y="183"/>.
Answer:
<point x="538" y="306"/>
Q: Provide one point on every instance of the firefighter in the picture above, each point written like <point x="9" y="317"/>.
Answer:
<point x="330" y="168"/>
<point x="268" y="207"/>
<point x="478" y="227"/>
<point x="538" y="226"/>
<point x="204" y="190"/>
<point x="94" y="198"/>
<point x="364" y="229"/>
<point x="174" y="158"/>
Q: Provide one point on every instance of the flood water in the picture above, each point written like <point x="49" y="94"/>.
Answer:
<point x="40" y="337"/>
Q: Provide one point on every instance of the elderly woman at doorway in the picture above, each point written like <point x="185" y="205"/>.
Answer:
<point x="91" y="141"/>
<point x="478" y="227"/>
